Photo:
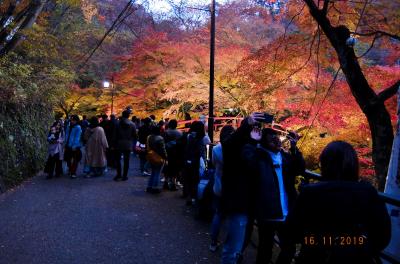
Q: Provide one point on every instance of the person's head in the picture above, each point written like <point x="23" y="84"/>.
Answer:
<point x="53" y="129"/>
<point x="153" y="117"/>
<point x="112" y="117"/>
<point x="74" y="119"/>
<point x="161" y="123"/>
<point x="94" y="122"/>
<point x="270" y="140"/>
<point x="155" y="130"/>
<point x="197" y="127"/>
<point x="125" y="114"/>
<point x="147" y="121"/>
<point x="339" y="161"/>
<point x="172" y="124"/>
<point x="226" y="131"/>
<point x="84" y="117"/>
<point x="104" y="117"/>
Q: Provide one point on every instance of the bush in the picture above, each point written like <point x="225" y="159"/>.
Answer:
<point x="23" y="146"/>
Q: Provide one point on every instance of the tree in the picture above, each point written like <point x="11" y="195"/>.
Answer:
<point x="13" y="23"/>
<point x="371" y="103"/>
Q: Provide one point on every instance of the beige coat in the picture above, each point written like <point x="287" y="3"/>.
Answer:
<point x="96" y="147"/>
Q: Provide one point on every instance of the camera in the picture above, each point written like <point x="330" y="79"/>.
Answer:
<point x="264" y="118"/>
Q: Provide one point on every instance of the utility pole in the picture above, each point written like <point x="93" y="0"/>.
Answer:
<point x="112" y="95"/>
<point x="212" y="56"/>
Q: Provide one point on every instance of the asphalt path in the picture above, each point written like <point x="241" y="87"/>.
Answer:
<point x="97" y="220"/>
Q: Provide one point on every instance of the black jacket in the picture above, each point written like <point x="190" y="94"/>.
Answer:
<point x="236" y="179"/>
<point x="267" y="198"/>
<point x="124" y="135"/>
<point x="338" y="211"/>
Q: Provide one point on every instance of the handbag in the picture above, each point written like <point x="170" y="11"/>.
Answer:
<point x="153" y="157"/>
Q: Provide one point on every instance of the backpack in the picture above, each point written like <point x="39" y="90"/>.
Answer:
<point x="152" y="156"/>
<point x="193" y="150"/>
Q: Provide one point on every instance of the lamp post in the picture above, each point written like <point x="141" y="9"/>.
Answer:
<point x="106" y="85"/>
<point x="212" y="56"/>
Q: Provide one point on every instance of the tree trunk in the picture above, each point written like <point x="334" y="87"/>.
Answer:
<point x="373" y="108"/>
<point x="35" y="8"/>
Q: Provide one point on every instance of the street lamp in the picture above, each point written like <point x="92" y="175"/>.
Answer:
<point x="106" y="85"/>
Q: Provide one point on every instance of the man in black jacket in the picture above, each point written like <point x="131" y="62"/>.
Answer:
<point x="124" y="136"/>
<point x="274" y="173"/>
<point x="236" y="193"/>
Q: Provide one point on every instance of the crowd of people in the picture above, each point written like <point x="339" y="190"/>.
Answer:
<point x="338" y="220"/>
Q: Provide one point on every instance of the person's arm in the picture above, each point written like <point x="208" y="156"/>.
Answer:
<point x="163" y="151"/>
<point x="134" y="132"/>
<point x="77" y="137"/>
<point x="104" y="139"/>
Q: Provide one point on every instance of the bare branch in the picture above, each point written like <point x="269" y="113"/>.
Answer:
<point x="378" y="32"/>
<point x="389" y="92"/>
<point x="325" y="7"/>
<point x="370" y="47"/>
<point x="287" y="27"/>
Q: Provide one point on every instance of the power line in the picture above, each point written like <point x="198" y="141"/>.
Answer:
<point x="127" y="6"/>
<point x="320" y="106"/>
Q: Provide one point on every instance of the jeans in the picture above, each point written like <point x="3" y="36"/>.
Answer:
<point x="154" y="180"/>
<point x="217" y="219"/>
<point x="144" y="164"/>
<point x="126" y="154"/>
<point x="236" y="227"/>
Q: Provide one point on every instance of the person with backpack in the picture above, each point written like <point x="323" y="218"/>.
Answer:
<point x="72" y="153"/>
<point x="123" y="137"/>
<point x="157" y="157"/>
<point x="195" y="155"/>
<point x="172" y="138"/>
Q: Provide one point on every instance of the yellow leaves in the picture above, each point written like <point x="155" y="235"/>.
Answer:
<point x="89" y="10"/>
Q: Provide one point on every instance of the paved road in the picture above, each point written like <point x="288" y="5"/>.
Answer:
<point x="98" y="220"/>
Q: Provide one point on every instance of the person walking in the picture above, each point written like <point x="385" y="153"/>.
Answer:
<point x="143" y="133"/>
<point x="157" y="157"/>
<point x="110" y="129"/>
<point x="195" y="154"/>
<point x="172" y="138"/>
<point x="55" y="151"/>
<point x="123" y="138"/>
<point x="340" y="220"/>
<point x="274" y="187"/>
<point x="72" y="153"/>
<point x="96" y="147"/>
